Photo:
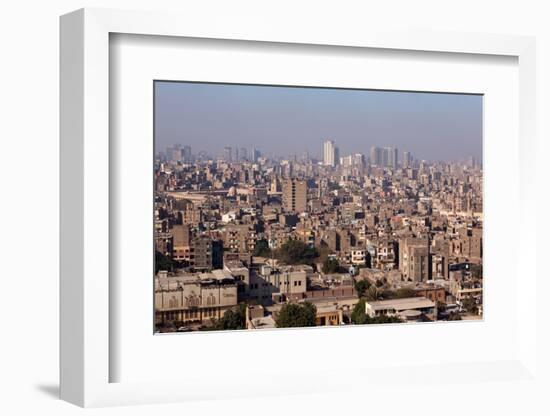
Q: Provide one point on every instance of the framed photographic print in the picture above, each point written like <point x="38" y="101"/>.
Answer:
<point x="273" y="205"/>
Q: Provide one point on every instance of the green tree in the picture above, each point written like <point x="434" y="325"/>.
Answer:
<point x="405" y="292"/>
<point x="163" y="262"/>
<point x="361" y="286"/>
<point x="359" y="315"/>
<point x="262" y="249"/>
<point x="372" y="293"/>
<point x="234" y="318"/>
<point x="331" y="265"/>
<point x="296" y="252"/>
<point x="231" y="320"/>
<point x="295" y="315"/>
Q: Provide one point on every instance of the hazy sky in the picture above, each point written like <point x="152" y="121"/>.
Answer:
<point x="283" y="121"/>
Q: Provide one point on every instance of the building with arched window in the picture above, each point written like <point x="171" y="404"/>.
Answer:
<point x="193" y="298"/>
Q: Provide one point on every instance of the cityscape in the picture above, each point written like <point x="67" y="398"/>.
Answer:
<point x="249" y="240"/>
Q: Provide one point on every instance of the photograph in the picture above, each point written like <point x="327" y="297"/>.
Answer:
<point x="295" y="206"/>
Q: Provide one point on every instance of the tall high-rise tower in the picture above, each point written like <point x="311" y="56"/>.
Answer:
<point x="227" y="154"/>
<point x="389" y="157"/>
<point x="186" y="154"/>
<point x="393" y="158"/>
<point x="376" y="156"/>
<point x="243" y="154"/>
<point x="330" y="153"/>
<point x="407" y="159"/>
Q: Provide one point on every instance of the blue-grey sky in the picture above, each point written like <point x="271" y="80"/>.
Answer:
<point x="283" y="121"/>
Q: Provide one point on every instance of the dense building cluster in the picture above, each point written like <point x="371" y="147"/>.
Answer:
<point x="247" y="241"/>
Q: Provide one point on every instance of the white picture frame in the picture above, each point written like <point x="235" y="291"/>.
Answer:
<point x="86" y="350"/>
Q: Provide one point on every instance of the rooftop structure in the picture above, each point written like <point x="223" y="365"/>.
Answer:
<point x="395" y="306"/>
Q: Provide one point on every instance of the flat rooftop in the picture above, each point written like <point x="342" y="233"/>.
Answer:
<point x="171" y="281"/>
<point x="419" y="302"/>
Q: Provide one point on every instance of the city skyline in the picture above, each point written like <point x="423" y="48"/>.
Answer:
<point x="387" y="156"/>
<point x="287" y="121"/>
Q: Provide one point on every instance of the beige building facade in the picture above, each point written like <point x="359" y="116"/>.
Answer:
<point x="294" y="195"/>
<point x="194" y="298"/>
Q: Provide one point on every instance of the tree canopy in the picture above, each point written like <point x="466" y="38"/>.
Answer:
<point x="331" y="265"/>
<point x="358" y="315"/>
<point x="373" y="293"/>
<point x="361" y="287"/>
<point x="296" y="252"/>
<point x="232" y="319"/>
<point x="262" y="248"/>
<point x="163" y="262"/>
<point x="294" y="315"/>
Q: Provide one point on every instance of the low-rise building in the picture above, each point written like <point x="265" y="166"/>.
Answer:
<point x="463" y="286"/>
<point x="257" y="319"/>
<point x="287" y="279"/>
<point x="393" y="307"/>
<point x="328" y="314"/>
<point x="241" y="274"/>
<point x="193" y="297"/>
<point x="433" y="292"/>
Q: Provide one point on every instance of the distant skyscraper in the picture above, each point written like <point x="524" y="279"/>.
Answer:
<point x="386" y="156"/>
<point x="254" y="154"/>
<point x="376" y="156"/>
<point x="394" y="157"/>
<point x="294" y="195"/>
<point x="227" y="154"/>
<point x="346" y="161"/>
<point x="389" y="157"/>
<point x="358" y="159"/>
<point x="174" y="153"/>
<point x="186" y="154"/>
<point x="386" y="152"/>
<point x="407" y="160"/>
<point x="243" y="154"/>
<point x="330" y="153"/>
